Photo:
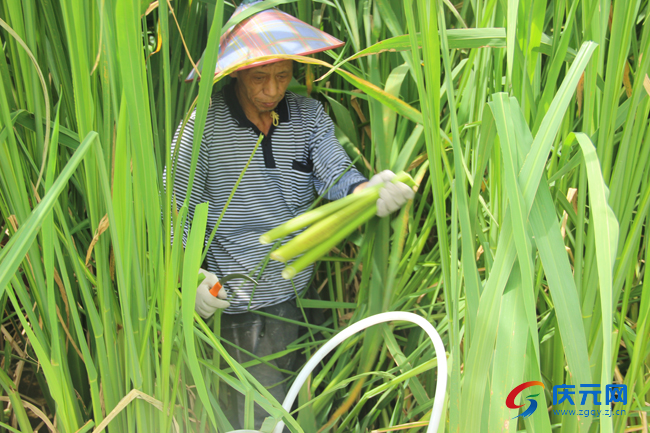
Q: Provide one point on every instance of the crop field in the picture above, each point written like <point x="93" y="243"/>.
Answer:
<point x="524" y="124"/>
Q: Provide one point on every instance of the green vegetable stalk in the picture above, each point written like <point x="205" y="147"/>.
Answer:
<point x="320" y="250"/>
<point x="331" y="224"/>
<point x="322" y="230"/>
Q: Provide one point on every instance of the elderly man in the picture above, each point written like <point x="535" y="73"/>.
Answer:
<point x="298" y="157"/>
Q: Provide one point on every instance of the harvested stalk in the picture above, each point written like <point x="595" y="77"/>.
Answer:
<point x="321" y="212"/>
<point x="322" y="230"/>
<point x="314" y="215"/>
<point x="320" y="250"/>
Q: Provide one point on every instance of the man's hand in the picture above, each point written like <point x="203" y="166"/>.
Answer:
<point x="393" y="195"/>
<point x="205" y="303"/>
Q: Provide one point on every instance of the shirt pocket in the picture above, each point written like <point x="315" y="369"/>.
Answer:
<point x="302" y="185"/>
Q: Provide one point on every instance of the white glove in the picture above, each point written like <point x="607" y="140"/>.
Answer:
<point x="393" y="195"/>
<point x="205" y="303"/>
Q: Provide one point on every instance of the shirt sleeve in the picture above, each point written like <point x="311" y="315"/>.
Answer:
<point x="331" y="161"/>
<point x="181" y="171"/>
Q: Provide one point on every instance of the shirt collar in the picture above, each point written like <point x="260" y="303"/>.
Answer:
<point x="237" y="112"/>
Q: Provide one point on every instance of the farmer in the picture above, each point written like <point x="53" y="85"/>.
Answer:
<point x="298" y="157"/>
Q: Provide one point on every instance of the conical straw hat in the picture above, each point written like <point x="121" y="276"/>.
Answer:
<point x="266" y="33"/>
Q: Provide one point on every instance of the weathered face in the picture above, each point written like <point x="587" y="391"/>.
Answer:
<point x="262" y="87"/>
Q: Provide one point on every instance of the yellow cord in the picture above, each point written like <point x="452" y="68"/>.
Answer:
<point x="276" y="118"/>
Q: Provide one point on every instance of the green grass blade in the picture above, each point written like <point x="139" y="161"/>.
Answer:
<point x="22" y="240"/>
<point x="191" y="264"/>
<point x="503" y="108"/>
<point x="606" y="225"/>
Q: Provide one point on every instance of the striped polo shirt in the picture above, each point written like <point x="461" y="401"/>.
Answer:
<point x="299" y="158"/>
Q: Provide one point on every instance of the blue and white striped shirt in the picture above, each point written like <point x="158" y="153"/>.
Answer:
<point x="298" y="158"/>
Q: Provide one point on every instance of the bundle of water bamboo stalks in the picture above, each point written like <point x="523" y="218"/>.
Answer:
<point x="329" y="225"/>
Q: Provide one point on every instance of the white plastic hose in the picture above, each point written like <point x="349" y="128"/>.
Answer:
<point x="441" y="385"/>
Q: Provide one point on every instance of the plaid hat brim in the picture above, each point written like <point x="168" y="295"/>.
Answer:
<point x="270" y="32"/>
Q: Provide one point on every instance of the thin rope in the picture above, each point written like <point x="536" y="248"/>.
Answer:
<point x="276" y="118"/>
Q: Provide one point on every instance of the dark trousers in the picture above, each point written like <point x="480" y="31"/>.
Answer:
<point x="261" y="336"/>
